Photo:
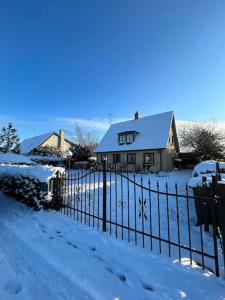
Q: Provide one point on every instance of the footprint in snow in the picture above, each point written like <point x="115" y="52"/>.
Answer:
<point x="92" y="248"/>
<point x="122" y="278"/>
<point x="59" y="234"/>
<point x="147" y="287"/>
<point x="51" y="238"/>
<point x="13" y="287"/>
<point x="99" y="258"/>
<point x="72" y="245"/>
<point x="109" y="270"/>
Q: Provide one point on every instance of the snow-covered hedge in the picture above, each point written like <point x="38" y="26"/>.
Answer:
<point x="29" y="184"/>
<point x="47" y="160"/>
<point x="12" y="158"/>
<point x="202" y="174"/>
<point x="208" y="166"/>
<point x="25" y="189"/>
<point x="42" y="173"/>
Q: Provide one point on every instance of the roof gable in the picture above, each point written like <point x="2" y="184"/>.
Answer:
<point x="153" y="133"/>
<point x="29" y="144"/>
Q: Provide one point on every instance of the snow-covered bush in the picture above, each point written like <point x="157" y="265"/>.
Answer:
<point x="25" y="189"/>
<point x="29" y="184"/>
<point x="208" y="166"/>
<point x="12" y="158"/>
<point x="202" y="173"/>
<point x="47" y="151"/>
<point x="47" y="160"/>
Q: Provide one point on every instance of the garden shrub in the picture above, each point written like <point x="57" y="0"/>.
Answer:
<point x="25" y="189"/>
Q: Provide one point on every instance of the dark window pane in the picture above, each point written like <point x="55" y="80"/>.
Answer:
<point x="116" y="158"/>
<point x="131" y="158"/>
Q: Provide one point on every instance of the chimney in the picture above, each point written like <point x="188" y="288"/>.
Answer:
<point x="137" y="115"/>
<point x="61" y="139"/>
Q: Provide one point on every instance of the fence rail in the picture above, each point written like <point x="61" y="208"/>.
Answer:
<point x="161" y="218"/>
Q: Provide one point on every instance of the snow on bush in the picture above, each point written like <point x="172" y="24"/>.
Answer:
<point x="47" y="160"/>
<point x="208" y="166"/>
<point x="29" y="184"/>
<point x="202" y="174"/>
<point x="12" y="158"/>
<point x="42" y="173"/>
<point x="25" y="189"/>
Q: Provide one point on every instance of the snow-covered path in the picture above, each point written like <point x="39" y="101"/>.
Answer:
<point x="45" y="255"/>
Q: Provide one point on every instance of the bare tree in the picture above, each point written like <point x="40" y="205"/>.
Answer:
<point x="203" y="139"/>
<point x="85" y="139"/>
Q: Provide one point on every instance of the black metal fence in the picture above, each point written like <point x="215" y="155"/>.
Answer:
<point x="161" y="218"/>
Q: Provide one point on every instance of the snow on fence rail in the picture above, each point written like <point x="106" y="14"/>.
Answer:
<point x="29" y="184"/>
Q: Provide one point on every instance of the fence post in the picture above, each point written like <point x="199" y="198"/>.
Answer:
<point x="214" y="221"/>
<point x="104" y="196"/>
<point x="57" y="198"/>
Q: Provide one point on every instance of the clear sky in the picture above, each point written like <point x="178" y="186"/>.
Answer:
<point x="67" y="61"/>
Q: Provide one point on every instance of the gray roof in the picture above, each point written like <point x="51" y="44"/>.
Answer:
<point x="153" y="133"/>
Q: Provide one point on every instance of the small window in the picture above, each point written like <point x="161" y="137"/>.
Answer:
<point x="122" y="138"/>
<point x="116" y="158"/>
<point x="131" y="158"/>
<point x="130" y="138"/>
<point x="103" y="156"/>
<point x="149" y="158"/>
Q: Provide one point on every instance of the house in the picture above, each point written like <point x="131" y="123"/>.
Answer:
<point x="143" y="143"/>
<point x="53" y="139"/>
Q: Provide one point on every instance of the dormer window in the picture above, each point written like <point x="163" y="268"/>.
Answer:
<point x="122" y="138"/>
<point x="127" y="137"/>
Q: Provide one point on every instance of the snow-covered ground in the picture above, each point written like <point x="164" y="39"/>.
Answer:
<point x="169" y="218"/>
<point x="45" y="255"/>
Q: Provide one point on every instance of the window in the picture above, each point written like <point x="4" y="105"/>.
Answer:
<point x="149" y="158"/>
<point x="103" y="156"/>
<point x="130" y="138"/>
<point x="122" y="138"/>
<point x="131" y="158"/>
<point x="125" y="138"/>
<point x="116" y="158"/>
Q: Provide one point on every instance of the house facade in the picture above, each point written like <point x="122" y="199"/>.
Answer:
<point x="143" y="143"/>
<point x="53" y="139"/>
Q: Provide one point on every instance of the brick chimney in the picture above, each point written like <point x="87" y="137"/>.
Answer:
<point x="137" y="115"/>
<point x="61" y="139"/>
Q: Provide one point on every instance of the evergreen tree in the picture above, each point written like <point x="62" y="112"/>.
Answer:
<point x="80" y="153"/>
<point x="9" y="140"/>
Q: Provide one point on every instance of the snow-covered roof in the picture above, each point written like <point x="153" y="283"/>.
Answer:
<point x="29" y="144"/>
<point x="12" y="158"/>
<point x="153" y="133"/>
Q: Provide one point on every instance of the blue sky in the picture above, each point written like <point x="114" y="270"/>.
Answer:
<point x="67" y="62"/>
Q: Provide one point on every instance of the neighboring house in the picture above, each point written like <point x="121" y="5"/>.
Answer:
<point x="143" y="143"/>
<point x="49" y="139"/>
